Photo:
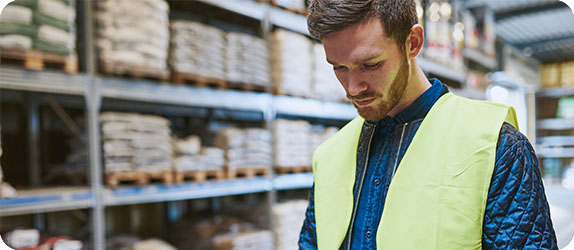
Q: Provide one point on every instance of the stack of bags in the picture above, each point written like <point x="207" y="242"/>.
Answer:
<point x="134" y="142"/>
<point x="288" y="217"/>
<point x="190" y="156"/>
<point x="320" y="134"/>
<point x="6" y="190"/>
<point x="326" y="87"/>
<point x="247" y="59"/>
<point x="133" y="33"/>
<point x="44" y="25"/>
<point x="250" y="240"/>
<point x="197" y="48"/>
<point x="292" y="143"/>
<point x="245" y="148"/>
<point x="292" y="63"/>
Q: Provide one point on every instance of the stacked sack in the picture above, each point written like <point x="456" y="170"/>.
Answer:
<point x="292" y="63"/>
<point x="44" y="25"/>
<point x="292" y="143"/>
<point x="191" y="156"/>
<point x="6" y="190"/>
<point x="134" y="142"/>
<point x="250" y="240"/>
<point x="247" y="59"/>
<point x="245" y="148"/>
<point x="133" y="33"/>
<point x="320" y="134"/>
<point x="326" y="87"/>
<point x="197" y="49"/>
<point x="288" y="217"/>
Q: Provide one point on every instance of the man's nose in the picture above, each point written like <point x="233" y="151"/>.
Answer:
<point x="356" y="85"/>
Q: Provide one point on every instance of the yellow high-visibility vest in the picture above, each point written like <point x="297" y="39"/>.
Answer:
<point x="438" y="195"/>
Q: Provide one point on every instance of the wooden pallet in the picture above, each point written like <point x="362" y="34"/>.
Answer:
<point x="247" y="172"/>
<point x="38" y="60"/>
<point x="300" y="12"/>
<point x="113" y="179"/>
<point x="293" y="170"/>
<point x="199" y="175"/>
<point x="198" y="80"/>
<point x="246" y="87"/>
<point x="140" y="72"/>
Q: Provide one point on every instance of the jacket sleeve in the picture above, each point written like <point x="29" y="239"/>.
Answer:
<point x="517" y="214"/>
<point x="308" y="236"/>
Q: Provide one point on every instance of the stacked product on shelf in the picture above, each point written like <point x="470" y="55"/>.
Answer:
<point x="134" y="243"/>
<point x="292" y="143"/>
<point x="31" y="239"/>
<point x="326" y="87"/>
<point x="247" y="60"/>
<point x="249" y="240"/>
<point x="442" y="45"/>
<point x="133" y="42"/>
<point x="197" y="49"/>
<point x="192" y="157"/>
<point x="288" y="219"/>
<point x="295" y="5"/>
<point x="292" y="63"/>
<point x="136" y="143"/>
<point x="6" y="190"/>
<point x="555" y="75"/>
<point x="320" y="134"/>
<point x="43" y="25"/>
<point x="76" y="164"/>
<point x="248" y="148"/>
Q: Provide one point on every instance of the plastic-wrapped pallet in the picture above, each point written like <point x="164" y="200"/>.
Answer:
<point x="251" y="240"/>
<point x="292" y="63"/>
<point x="288" y="217"/>
<point x="44" y="25"/>
<point x="134" y="142"/>
<point x="197" y="48"/>
<point x="247" y="59"/>
<point x="133" y="38"/>
<point x="326" y="87"/>
<point x="292" y="143"/>
<point x="6" y="190"/>
<point x="245" y="148"/>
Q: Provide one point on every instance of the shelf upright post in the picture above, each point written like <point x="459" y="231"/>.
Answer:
<point x="270" y="113"/>
<point x="33" y="121"/>
<point x="93" y="104"/>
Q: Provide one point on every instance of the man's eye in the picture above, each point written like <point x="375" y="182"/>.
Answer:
<point x="338" y="67"/>
<point x="371" y="66"/>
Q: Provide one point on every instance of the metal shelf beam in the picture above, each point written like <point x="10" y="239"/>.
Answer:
<point x="555" y="152"/>
<point x="46" y="200"/>
<point x="556" y="92"/>
<point x="555" y="141"/>
<point x="555" y="124"/>
<point x="293" y="181"/>
<point x="441" y="70"/>
<point x="186" y="191"/>
<point x="42" y="81"/>
<point x="297" y="106"/>
<point x="477" y="56"/>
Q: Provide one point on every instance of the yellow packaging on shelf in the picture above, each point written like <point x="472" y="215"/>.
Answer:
<point x="567" y="74"/>
<point x="550" y="75"/>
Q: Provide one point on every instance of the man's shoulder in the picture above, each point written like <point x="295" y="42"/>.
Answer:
<point x="510" y="137"/>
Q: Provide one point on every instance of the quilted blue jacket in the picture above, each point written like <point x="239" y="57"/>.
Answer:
<point x="517" y="214"/>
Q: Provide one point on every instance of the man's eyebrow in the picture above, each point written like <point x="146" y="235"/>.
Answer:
<point x="379" y="56"/>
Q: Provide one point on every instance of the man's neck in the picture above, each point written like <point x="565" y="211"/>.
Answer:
<point x="416" y="86"/>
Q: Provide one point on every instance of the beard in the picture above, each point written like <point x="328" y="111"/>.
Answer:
<point x="388" y="100"/>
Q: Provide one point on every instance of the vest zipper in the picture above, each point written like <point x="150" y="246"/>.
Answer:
<point x="399" y="151"/>
<point x="350" y="236"/>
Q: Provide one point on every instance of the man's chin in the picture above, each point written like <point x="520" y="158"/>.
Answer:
<point x="370" y="114"/>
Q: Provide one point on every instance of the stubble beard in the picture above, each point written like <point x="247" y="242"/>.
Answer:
<point x="394" y="95"/>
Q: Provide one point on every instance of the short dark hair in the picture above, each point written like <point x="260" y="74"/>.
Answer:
<point x="329" y="16"/>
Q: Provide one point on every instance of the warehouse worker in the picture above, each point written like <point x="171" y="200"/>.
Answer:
<point x="421" y="168"/>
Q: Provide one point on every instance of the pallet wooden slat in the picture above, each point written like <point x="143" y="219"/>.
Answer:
<point x="198" y="80"/>
<point x="293" y="170"/>
<point x="199" y="175"/>
<point x="38" y="60"/>
<point x="247" y="172"/>
<point x="113" y="179"/>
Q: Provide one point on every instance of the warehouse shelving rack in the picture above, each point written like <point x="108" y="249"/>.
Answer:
<point x="95" y="88"/>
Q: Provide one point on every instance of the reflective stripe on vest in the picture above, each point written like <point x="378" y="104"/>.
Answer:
<point x="438" y="195"/>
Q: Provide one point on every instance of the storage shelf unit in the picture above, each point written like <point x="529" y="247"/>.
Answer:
<point x="556" y="92"/>
<point x="42" y="81"/>
<point x="476" y="56"/>
<point x="555" y="124"/>
<point x="293" y="181"/>
<point x="46" y="200"/>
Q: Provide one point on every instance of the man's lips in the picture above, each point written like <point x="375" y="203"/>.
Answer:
<point x="364" y="102"/>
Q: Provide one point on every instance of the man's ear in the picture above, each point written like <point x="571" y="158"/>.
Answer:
<point x="415" y="41"/>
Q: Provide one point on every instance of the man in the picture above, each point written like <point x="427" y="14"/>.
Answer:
<point x="420" y="168"/>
